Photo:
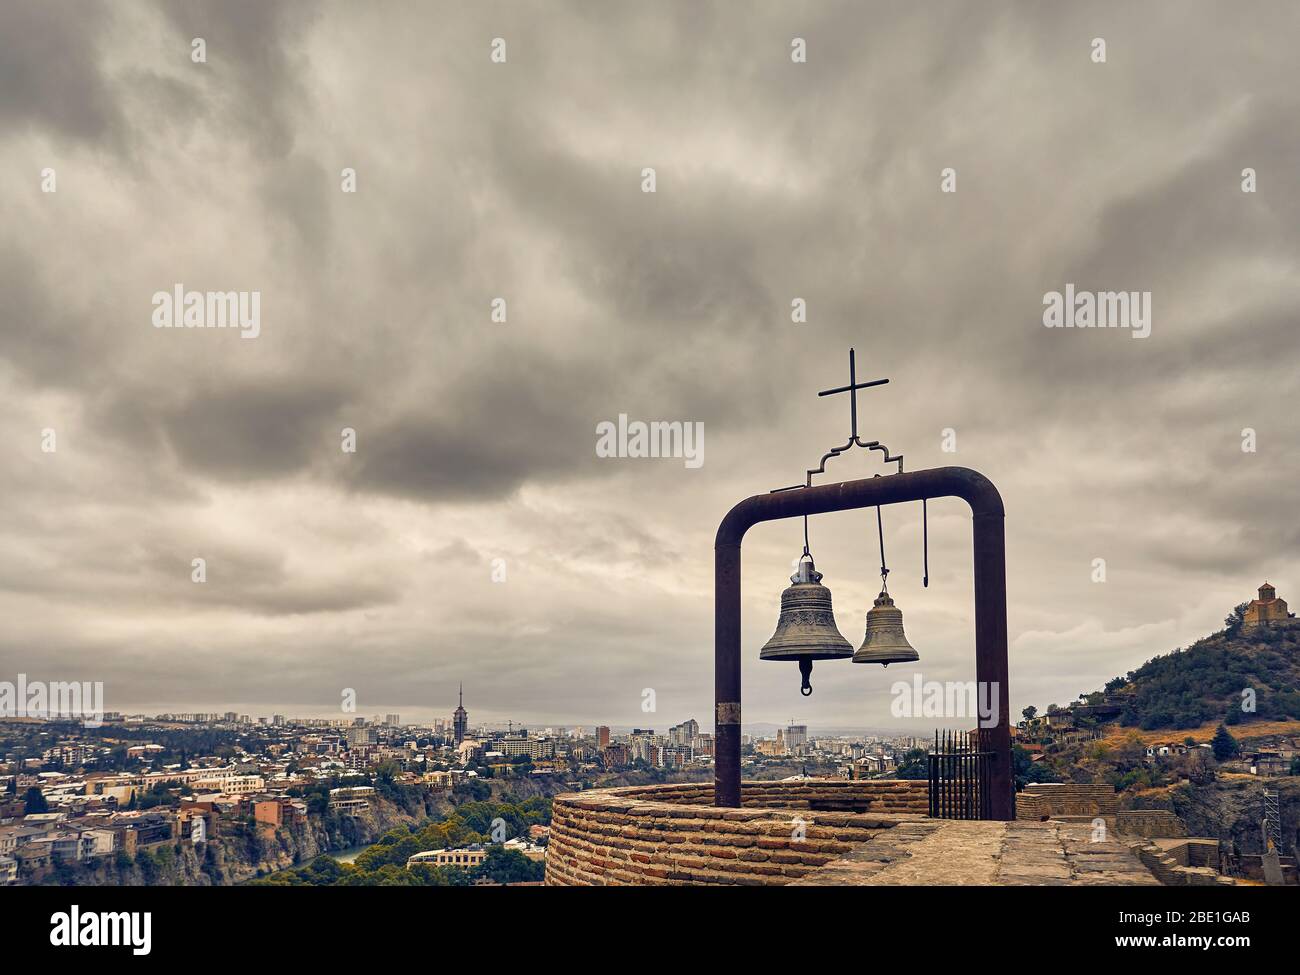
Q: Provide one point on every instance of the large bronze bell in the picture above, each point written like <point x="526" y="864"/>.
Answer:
<point x="885" y="642"/>
<point x="806" y="630"/>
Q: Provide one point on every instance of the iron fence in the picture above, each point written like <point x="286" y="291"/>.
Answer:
<point x="960" y="777"/>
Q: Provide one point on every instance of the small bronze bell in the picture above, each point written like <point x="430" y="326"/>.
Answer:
<point x="806" y="630"/>
<point x="885" y="642"/>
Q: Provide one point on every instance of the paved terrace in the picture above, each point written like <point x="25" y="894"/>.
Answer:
<point x="956" y="853"/>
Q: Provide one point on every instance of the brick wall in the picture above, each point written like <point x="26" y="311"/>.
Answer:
<point x="1192" y="852"/>
<point x="1170" y="872"/>
<point x="1050" y="800"/>
<point x="1150" y="822"/>
<point x="670" y="834"/>
<point x="833" y="795"/>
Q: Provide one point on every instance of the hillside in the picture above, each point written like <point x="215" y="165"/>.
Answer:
<point x="1204" y="683"/>
<point x="1113" y="736"/>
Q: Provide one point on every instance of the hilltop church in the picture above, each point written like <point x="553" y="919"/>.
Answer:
<point x="1267" y="609"/>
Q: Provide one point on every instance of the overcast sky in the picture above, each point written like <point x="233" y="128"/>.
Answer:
<point x="476" y="440"/>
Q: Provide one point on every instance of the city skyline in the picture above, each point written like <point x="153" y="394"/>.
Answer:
<point x="494" y="723"/>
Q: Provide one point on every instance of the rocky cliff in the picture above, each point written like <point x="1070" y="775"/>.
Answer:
<point x="1232" y="808"/>
<point x="243" y="851"/>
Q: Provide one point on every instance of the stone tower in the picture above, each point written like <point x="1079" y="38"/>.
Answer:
<point x="1267" y="609"/>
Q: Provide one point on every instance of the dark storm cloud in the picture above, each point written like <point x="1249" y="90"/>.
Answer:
<point x="254" y="430"/>
<point x="40" y="335"/>
<point x="232" y="429"/>
<point x="255" y="59"/>
<point x="50" y="78"/>
<point x="476" y="439"/>
<point x="665" y="259"/>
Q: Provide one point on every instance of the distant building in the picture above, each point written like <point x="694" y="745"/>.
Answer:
<point x="684" y="733"/>
<point x="770" y="747"/>
<point x="1271" y="761"/>
<point x="350" y="800"/>
<point x="231" y="783"/>
<point x="279" y="812"/>
<point x="358" y="735"/>
<point x="468" y="750"/>
<point x="1267" y="609"/>
<point x="532" y="747"/>
<point x="144" y="831"/>
<point x="531" y="850"/>
<point x="602" y="737"/>
<point x="644" y="744"/>
<point x="465" y="858"/>
<point x="460" y="718"/>
<point x="675" y="756"/>
<point x="439" y="780"/>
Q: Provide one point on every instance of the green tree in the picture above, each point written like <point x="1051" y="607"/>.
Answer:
<point x="1026" y="770"/>
<point x="477" y="791"/>
<point x="34" y="802"/>
<point x="147" y="864"/>
<point x="1224" y="745"/>
<point x="1234" y="620"/>
<point x="1030" y="713"/>
<point x="915" y="764"/>
<point x="504" y="866"/>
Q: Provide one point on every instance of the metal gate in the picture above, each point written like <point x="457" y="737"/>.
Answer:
<point x="959" y="777"/>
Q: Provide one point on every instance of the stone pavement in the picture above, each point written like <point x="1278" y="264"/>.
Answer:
<point x="963" y="853"/>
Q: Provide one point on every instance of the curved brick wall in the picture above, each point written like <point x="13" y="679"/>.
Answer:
<point x="671" y="834"/>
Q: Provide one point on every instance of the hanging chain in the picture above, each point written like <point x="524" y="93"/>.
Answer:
<point x="884" y="570"/>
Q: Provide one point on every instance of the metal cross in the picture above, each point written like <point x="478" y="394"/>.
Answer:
<point x="853" y="441"/>
<point x="852" y="389"/>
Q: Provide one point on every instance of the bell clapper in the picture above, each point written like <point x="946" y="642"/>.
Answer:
<point x="805" y="670"/>
<point x="925" y="547"/>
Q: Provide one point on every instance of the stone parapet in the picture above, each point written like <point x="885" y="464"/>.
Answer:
<point x="1053" y="800"/>
<point x="1150" y="823"/>
<point x="1164" y="864"/>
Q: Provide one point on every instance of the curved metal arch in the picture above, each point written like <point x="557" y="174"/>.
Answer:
<point x="987" y="516"/>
